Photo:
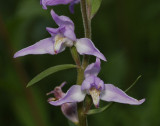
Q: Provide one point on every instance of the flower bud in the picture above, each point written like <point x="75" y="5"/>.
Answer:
<point x="68" y="109"/>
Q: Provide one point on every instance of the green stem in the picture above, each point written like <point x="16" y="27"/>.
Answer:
<point x="86" y="20"/>
<point x="82" y="117"/>
<point x="82" y="108"/>
<point x="75" y="56"/>
<point x="80" y="71"/>
<point x="87" y="29"/>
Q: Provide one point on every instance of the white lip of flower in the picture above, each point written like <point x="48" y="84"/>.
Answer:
<point x="61" y="42"/>
<point x="95" y="94"/>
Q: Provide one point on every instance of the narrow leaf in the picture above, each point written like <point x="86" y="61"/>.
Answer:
<point x="95" y="6"/>
<point x="95" y="111"/>
<point x="49" y="71"/>
<point x="133" y="83"/>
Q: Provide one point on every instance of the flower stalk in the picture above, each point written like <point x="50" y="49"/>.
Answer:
<point x="87" y="31"/>
<point x="80" y="71"/>
<point x="86" y="20"/>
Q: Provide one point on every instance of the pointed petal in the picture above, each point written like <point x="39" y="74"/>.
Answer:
<point x="71" y="6"/>
<point x="66" y="26"/>
<point x="46" y="3"/>
<point x="92" y="82"/>
<point x="74" y="94"/>
<point x="62" y="20"/>
<point x="114" y="94"/>
<point x="93" y="69"/>
<point x="44" y="46"/>
<point x="69" y="33"/>
<point x="86" y="46"/>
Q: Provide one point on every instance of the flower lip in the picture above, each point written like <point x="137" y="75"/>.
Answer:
<point x="95" y="94"/>
<point x="59" y="43"/>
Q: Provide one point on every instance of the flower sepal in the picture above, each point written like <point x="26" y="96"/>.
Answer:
<point x="68" y="109"/>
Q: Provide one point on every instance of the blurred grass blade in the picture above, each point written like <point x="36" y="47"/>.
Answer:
<point x="49" y="71"/>
<point x="95" y="6"/>
<point x="95" y="111"/>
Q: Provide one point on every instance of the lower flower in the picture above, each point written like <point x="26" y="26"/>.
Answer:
<point x="94" y="86"/>
<point x="68" y="109"/>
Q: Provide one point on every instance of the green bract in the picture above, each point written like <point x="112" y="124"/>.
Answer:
<point x="95" y="6"/>
<point x="49" y="71"/>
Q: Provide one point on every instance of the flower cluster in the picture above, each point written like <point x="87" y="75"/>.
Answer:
<point x="63" y="37"/>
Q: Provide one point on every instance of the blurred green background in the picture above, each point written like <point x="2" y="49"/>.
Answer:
<point x="126" y="31"/>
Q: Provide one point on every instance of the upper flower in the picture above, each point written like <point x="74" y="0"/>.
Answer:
<point x="46" y="3"/>
<point x="61" y="37"/>
<point x="94" y="86"/>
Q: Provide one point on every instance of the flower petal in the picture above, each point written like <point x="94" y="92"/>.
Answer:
<point x="93" y="69"/>
<point x="46" y="3"/>
<point x="44" y="46"/>
<point x="86" y="46"/>
<point x="62" y="20"/>
<point x="114" y="94"/>
<point x="54" y="31"/>
<point x="70" y="111"/>
<point x="62" y="30"/>
<point x="69" y="33"/>
<point x="92" y="82"/>
<point x="74" y="94"/>
<point x="86" y="84"/>
<point x="71" y="6"/>
<point x="66" y="26"/>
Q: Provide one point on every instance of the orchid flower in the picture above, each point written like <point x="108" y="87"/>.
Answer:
<point x="94" y="86"/>
<point x="68" y="109"/>
<point x="46" y="3"/>
<point x="61" y="37"/>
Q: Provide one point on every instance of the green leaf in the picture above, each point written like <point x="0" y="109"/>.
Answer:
<point x="95" y="111"/>
<point x="49" y="71"/>
<point x="95" y="6"/>
<point x="133" y="83"/>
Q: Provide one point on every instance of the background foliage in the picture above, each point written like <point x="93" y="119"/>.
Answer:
<point x="126" y="31"/>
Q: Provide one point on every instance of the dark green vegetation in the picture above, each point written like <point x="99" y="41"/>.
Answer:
<point x="126" y="31"/>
